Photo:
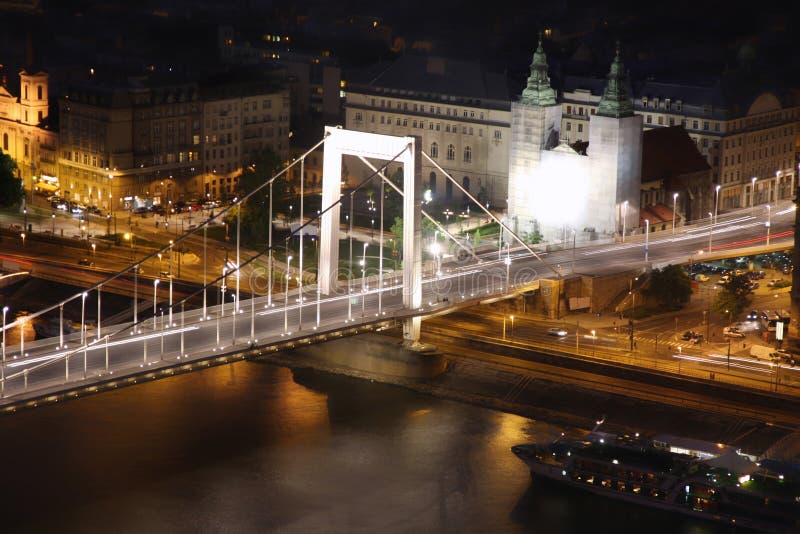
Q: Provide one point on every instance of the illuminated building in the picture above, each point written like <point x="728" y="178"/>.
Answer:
<point x="152" y="140"/>
<point x="460" y="111"/>
<point x="25" y="133"/>
<point x="741" y="138"/>
<point x="556" y="190"/>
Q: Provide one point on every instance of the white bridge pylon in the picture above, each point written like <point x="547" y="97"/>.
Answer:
<point x="405" y="150"/>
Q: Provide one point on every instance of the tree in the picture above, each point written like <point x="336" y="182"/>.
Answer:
<point x="734" y="297"/>
<point x="670" y="286"/>
<point x="11" y="192"/>
<point x="255" y="211"/>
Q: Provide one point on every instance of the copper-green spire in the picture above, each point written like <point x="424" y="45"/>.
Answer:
<point x="615" y="102"/>
<point x="538" y="92"/>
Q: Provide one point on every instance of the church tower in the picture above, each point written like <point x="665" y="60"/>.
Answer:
<point x="615" y="149"/>
<point x="33" y="97"/>
<point x="535" y="126"/>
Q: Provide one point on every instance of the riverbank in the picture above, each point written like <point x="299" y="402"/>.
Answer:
<point x="512" y="390"/>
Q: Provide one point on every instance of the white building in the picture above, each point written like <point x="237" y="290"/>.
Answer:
<point x="558" y="192"/>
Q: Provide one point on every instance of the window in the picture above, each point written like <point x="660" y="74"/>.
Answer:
<point x="705" y="125"/>
<point x="661" y="120"/>
<point x="644" y="101"/>
<point x="39" y="92"/>
<point x="667" y="104"/>
<point x="498" y="135"/>
<point x="569" y="110"/>
<point x="679" y="106"/>
<point x="451" y="152"/>
<point x="432" y="183"/>
<point x="434" y="150"/>
<point x="5" y="141"/>
<point x="569" y="126"/>
<point x="465" y="183"/>
<point x="649" y="119"/>
<point x="580" y="127"/>
<point x="358" y="116"/>
<point x="694" y="125"/>
<point x="467" y="154"/>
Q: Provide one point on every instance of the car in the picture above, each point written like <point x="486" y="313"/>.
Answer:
<point x="753" y="315"/>
<point x="692" y="337"/>
<point x="772" y="282"/>
<point x="730" y="331"/>
<point x="165" y="274"/>
<point x="86" y="261"/>
<point x="559" y="332"/>
<point x="700" y="277"/>
<point x="754" y="285"/>
<point x="94" y="209"/>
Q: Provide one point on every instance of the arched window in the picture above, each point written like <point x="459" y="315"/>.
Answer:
<point x="467" y="154"/>
<point x="465" y="183"/>
<point x="39" y="92"/>
<point x="432" y="182"/>
<point x="5" y="142"/>
<point x="26" y="91"/>
<point x="451" y="152"/>
<point x="434" y="150"/>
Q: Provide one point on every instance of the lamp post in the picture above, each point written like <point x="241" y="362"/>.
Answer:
<point x="512" y="326"/>
<point x="752" y="195"/>
<point x="22" y="235"/>
<point x="5" y="311"/>
<point x="83" y="315"/>
<point x="594" y="341"/>
<point x="674" y="204"/>
<point x="624" y="218"/>
<point x="364" y="268"/>
<point x="711" y="230"/>
<point x="769" y="221"/>
<point x="716" y="203"/>
<point x="222" y="290"/>
<point x="286" y="299"/>
<point x="646" y="240"/>
<point x="155" y="296"/>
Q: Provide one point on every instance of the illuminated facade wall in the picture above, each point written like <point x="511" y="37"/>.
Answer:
<point x="23" y="129"/>
<point x="615" y="151"/>
<point x="758" y="141"/>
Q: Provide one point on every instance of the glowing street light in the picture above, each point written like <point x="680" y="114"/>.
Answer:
<point x="155" y="296"/>
<point x="674" y="202"/>
<point x="286" y="300"/>
<point x="5" y="311"/>
<point x="711" y="230"/>
<point x="752" y="194"/>
<point x="22" y="235"/>
<point x="769" y="221"/>
<point x="646" y="239"/>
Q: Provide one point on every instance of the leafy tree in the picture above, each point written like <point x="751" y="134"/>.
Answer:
<point x="670" y="286"/>
<point x="735" y="296"/>
<point x="532" y="238"/>
<point x="255" y="211"/>
<point x="428" y="229"/>
<point x="11" y="192"/>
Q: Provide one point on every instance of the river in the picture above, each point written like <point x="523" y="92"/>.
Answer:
<point x="252" y="447"/>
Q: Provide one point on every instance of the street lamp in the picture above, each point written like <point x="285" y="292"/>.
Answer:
<point x="53" y="217"/>
<point x="769" y="221"/>
<point x="286" y="300"/>
<point x="646" y="239"/>
<point x="711" y="230"/>
<point x="594" y="341"/>
<point x="155" y="295"/>
<point x="674" y="202"/>
<point x="752" y="194"/>
<point x="716" y="203"/>
<point x="512" y="326"/>
<point x="22" y="235"/>
<point x="364" y="267"/>
<point x="94" y="249"/>
<point x="83" y="315"/>
<point x="5" y="310"/>
<point x="624" y="218"/>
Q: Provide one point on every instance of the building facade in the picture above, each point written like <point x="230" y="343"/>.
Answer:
<point x="461" y="113"/>
<point x="751" y="149"/>
<point x="146" y="142"/>
<point x="563" y="194"/>
<point x="25" y="134"/>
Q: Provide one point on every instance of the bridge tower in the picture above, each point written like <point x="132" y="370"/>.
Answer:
<point x="405" y="150"/>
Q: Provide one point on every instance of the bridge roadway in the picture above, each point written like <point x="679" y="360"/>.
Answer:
<point x="46" y="368"/>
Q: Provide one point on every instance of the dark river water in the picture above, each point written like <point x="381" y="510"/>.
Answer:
<point x="252" y="447"/>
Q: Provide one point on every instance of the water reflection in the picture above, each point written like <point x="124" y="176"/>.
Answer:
<point x="250" y="447"/>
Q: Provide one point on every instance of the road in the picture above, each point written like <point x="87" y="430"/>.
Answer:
<point x="122" y="348"/>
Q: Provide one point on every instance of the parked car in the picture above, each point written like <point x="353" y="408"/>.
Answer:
<point x="753" y="315"/>
<point x="772" y="282"/>
<point x="560" y="332"/>
<point x="86" y="261"/>
<point x="754" y="285"/>
<point x="692" y="336"/>
<point x="700" y="277"/>
<point x="730" y="331"/>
